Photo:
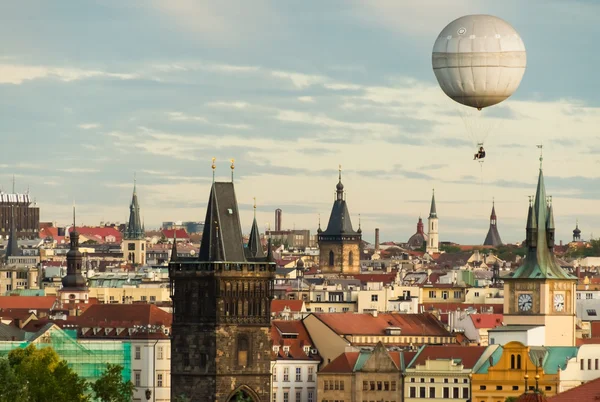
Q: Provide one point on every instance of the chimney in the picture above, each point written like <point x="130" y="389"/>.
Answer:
<point x="278" y="214"/>
<point x="560" y="242"/>
<point x="376" y="239"/>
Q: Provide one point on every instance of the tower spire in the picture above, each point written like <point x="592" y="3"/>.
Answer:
<point x="174" y="248"/>
<point x="213" y="167"/>
<point x="433" y="209"/>
<point x="541" y="148"/>
<point x="232" y="168"/>
<point x="340" y="187"/>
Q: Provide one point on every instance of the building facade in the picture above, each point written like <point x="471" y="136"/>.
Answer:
<point x="221" y="310"/>
<point x="18" y="209"/>
<point x="339" y="244"/>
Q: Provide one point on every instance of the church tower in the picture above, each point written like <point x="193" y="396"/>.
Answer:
<point x="576" y="232"/>
<point x="134" y="238"/>
<point x="339" y="244"/>
<point x="493" y="237"/>
<point x="220" y="346"/>
<point x="433" y="239"/>
<point x="540" y="292"/>
<point x="74" y="286"/>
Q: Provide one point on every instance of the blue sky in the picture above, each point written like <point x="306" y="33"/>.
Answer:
<point x="91" y="92"/>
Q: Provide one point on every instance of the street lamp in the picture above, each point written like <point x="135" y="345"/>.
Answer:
<point x="148" y="394"/>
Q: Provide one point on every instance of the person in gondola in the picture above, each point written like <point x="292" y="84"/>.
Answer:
<point x="480" y="154"/>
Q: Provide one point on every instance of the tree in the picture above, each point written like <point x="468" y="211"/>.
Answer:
<point x="241" y="396"/>
<point x="110" y="387"/>
<point x="44" y="377"/>
<point x="511" y="399"/>
<point x="12" y="388"/>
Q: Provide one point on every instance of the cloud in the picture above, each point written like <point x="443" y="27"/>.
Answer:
<point x="17" y="74"/>
<point x="306" y="99"/>
<point x="88" y="126"/>
<point x="78" y="170"/>
<point x="299" y="80"/>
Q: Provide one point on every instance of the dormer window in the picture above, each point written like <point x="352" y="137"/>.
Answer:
<point x="276" y="349"/>
<point x="307" y="349"/>
<point x="286" y="350"/>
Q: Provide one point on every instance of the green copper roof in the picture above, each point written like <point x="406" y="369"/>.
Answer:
<point x="540" y="262"/>
<point x="558" y="356"/>
<point x="134" y="229"/>
<point x="495" y="358"/>
<point x="362" y="359"/>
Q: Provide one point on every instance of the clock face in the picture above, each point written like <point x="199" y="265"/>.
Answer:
<point x="559" y="302"/>
<point x="525" y="302"/>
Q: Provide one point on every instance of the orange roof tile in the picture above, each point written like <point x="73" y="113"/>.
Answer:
<point x="296" y="345"/>
<point x="27" y="302"/>
<point x="486" y="320"/>
<point x="344" y="363"/>
<point x="590" y="391"/>
<point x="124" y="315"/>
<point x="277" y="306"/>
<point x="469" y="355"/>
<point x="367" y="324"/>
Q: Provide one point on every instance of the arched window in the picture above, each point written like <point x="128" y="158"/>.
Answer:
<point x="242" y="350"/>
<point x="350" y="258"/>
<point x="518" y="361"/>
<point x="331" y="256"/>
<point x="512" y="362"/>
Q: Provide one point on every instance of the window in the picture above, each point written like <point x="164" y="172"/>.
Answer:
<point x="298" y="396"/>
<point x="456" y="380"/>
<point x="412" y="379"/>
<point x="512" y="362"/>
<point x="131" y="246"/>
<point x="331" y="257"/>
<point x="143" y="298"/>
<point x="498" y="387"/>
<point x="422" y="380"/>
<point x="286" y="374"/>
<point x="160" y="353"/>
<point x="421" y="392"/>
<point x="372" y="385"/>
<point x="456" y="393"/>
<point x="476" y="294"/>
<point x="159" y="380"/>
<point x="152" y="298"/>
<point x="138" y="352"/>
<point x="445" y="295"/>
<point x="311" y="371"/>
<point x="274" y="395"/>
<point x="341" y="385"/>
<point x="519" y="362"/>
<point x="365" y="385"/>
<point x="336" y="385"/>
<point x="8" y="288"/>
<point x="446" y="392"/>
<point x="432" y="392"/>
<point x="242" y="351"/>
<point x="286" y="396"/>
<point x="379" y="386"/>
<point x="298" y="374"/>
<point x="326" y="385"/>
<point x="351" y="258"/>
<point x="457" y="294"/>
<point x="548" y="388"/>
<point x="582" y="364"/>
<point x="393" y="385"/>
<point x="413" y="392"/>
<point x="465" y="380"/>
<point x="589" y="296"/>
<point x="8" y="275"/>
<point x="578" y="296"/>
<point x="137" y="379"/>
<point x="432" y="380"/>
<point x="311" y="396"/>
<point x="589" y="364"/>
<point x="591" y="312"/>
<point x="446" y="380"/>
<point x="274" y="374"/>
<point x="432" y="294"/>
<point x="386" y="385"/>
<point x="515" y="387"/>
<point x="596" y="364"/>
<point x="482" y="387"/>
<point x="374" y="298"/>
<point x="465" y="392"/>
<point x="345" y="309"/>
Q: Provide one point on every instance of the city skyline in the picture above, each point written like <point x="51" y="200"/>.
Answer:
<point x="172" y="85"/>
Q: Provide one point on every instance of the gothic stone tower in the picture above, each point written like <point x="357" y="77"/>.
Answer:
<point x="221" y="310"/>
<point x="540" y="292"/>
<point x="433" y="239"/>
<point x="339" y="244"/>
<point x="134" y="239"/>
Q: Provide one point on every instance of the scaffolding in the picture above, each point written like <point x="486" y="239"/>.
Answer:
<point x="87" y="358"/>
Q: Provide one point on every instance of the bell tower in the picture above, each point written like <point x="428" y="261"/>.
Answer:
<point x="540" y="292"/>
<point x="134" y="238"/>
<point x="433" y="239"/>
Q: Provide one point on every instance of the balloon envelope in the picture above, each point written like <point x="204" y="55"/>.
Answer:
<point x="479" y="60"/>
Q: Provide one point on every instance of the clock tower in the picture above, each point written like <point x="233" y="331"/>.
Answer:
<point x="540" y="292"/>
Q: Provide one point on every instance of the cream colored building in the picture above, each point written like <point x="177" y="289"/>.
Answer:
<point x="583" y="366"/>
<point x="14" y="277"/>
<point x="128" y="295"/>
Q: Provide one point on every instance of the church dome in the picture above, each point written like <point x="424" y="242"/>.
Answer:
<point x="339" y="186"/>
<point x="417" y="240"/>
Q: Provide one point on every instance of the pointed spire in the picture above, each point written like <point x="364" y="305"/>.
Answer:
<point x="319" y="230"/>
<point x="269" y="251"/>
<point x="12" y="246"/>
<point x="359" y="227"/>
<point x="433" y="210"/>
<point x="493" y="215"/>
<point x="254" y="243"/>
<point x="134" y="229"/>
<point x="174" y="248"/>
<point x="493" y="237"/>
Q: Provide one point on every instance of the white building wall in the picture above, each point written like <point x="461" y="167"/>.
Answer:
<point x="581" y="368"/>
<point x="151" y="364"/>
<point x="304" y="386"/>
<point x="530" y="337"/>
<point x="587" y="308"/>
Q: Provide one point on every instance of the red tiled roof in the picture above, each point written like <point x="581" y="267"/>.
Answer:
<point x="27" y="302"/>
<point x="51" y="232"/>
<point x="277" y="306"/>
<point x="296" y="345"/>
<point x="587" y="341"/>
<point x="99" y="232"/>
<point x="469" y="355"/>
<point x="344" y="363"/>
<point x="124" y="315"/>
<point x="367" y="324"/>
<point x="590" y="391"/>
<point x="486" y="320"/>
<point x="595" y="329"/>
<point x="532" y="397"/>
<point x="385" y="278"/>
<point x="181" y="233"/>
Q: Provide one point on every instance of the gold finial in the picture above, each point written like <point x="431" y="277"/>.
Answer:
<point x="254" y="207"/>
<point x="232" y="168"/>
<point x="214" y="167"/>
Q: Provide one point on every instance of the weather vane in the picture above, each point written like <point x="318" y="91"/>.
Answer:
<point x="541" y="147"/>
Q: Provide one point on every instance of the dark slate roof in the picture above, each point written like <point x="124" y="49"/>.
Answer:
<point x="493" y="237"/>
<point x="222" y="237"/>
<point x="10" y="333"/>
<point x="339" y="220"/>
<point x="255" y="248"/>
<point x="134" y="229"/>
<point x="540" y="262"/>
<point x="433" y="210"/>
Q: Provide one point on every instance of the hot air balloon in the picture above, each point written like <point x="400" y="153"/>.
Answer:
<point x="479" y="61"/>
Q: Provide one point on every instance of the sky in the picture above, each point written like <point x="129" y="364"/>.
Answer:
<point x="93" y="93"/>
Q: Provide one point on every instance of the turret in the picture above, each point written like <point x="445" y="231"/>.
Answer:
<point x="531" y="229"/>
